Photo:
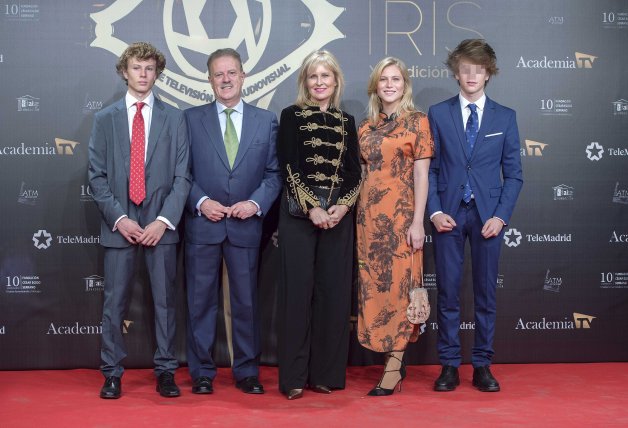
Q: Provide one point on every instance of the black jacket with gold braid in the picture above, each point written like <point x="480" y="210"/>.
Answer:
<point x="318" y="149"/>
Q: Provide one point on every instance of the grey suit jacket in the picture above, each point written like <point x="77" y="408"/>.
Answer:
<point x="166" y="172"/>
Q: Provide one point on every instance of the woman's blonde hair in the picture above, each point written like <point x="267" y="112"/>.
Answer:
<point x="406" y="105"/>
<point x="329" y="61"/>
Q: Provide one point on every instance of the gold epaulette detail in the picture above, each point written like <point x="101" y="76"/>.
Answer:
<point x="300" y="192"/>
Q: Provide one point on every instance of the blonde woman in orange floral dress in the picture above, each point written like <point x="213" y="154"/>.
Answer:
<point x="396" y="147"/>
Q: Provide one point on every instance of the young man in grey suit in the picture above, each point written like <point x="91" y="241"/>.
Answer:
<point x="139" y="177"/>
<point x="235" y="180"/>
<point x="475" y="179"/>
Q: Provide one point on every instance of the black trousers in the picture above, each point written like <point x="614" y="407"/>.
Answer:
<point x="314" y="301"/>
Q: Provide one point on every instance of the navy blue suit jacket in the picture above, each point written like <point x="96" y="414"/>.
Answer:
<point x="255" y="174"/>
<point x="493" y="168"/>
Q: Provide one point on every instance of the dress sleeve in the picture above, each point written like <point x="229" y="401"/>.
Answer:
<point x="424" y="143"/>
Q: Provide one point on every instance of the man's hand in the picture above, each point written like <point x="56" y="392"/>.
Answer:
<point x="153" y="233"/>
<point x="443" y="222"/>
<point x="131" y="231"/>
<point x="492" y="227"/>
<point x="214" y="211"/>
<point x="320" y="218"/>
<point x="415" y="237"/>
<point x="243" y="210"/>
<point x="336" y="213"/>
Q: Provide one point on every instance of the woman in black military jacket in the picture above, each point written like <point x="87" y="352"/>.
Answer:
<point x="317" y="149"/>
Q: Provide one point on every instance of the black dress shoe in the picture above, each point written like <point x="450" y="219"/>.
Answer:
<point x="294" y="394"/>
<point x="448" y="379"/>
<point x="321" y="389"/>
<point x="202" y="385"/>
<point x="112" y="387"/>
<point x="166" y="386"/>
<point x="483" y="379"/>
<point x="250" y="385"/>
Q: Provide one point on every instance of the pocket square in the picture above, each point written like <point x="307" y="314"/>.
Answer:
<point x="492" y="135"/>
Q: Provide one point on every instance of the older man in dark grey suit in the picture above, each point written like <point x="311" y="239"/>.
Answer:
<point x="235" y="180"/>
<point x="139" y="177"/>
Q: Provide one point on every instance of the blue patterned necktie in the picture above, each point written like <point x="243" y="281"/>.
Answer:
<point x="471" y="132"/>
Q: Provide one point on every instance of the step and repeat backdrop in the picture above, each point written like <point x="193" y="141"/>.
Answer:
<point x="563" y="280"/>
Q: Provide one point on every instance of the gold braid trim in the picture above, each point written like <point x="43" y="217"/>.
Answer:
<point x="300" y="192"/>
<point x="319" y="176"/>
<point x="308" y="113"/>
<point x="350" y="198"/>
<point x="313" y="126"/>
<point x="318" y="159"/>
<point x="315" y="142"/>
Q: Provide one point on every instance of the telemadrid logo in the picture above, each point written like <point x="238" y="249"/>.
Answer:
<point x="42" y="239"/>
<point x="595" y="151"/>
<point x="512" y="238"/>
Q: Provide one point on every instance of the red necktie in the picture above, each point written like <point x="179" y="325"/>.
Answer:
<point x="137" y="187"/>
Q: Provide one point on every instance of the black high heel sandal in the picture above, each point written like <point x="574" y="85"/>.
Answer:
<point x="378" y="391"/>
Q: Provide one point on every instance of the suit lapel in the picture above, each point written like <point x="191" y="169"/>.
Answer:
<point x="121" y="126"/>
<point x="212" y="128"/>
<point x="249" y="128"/>
<point x="456" y="116"/>
<point x="156" y="125"/>
<point x="488" y="116"/>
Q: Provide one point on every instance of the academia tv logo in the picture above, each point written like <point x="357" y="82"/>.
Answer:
<point x="580" y="60"/>
<point x="74" y="329"/>
<point x="580" y="321"/>
<point x="533" y="148"/>
<point x="61" y="147"/>
<point x="618" y="238"/>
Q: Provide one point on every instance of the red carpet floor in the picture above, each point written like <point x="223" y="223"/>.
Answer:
<point x="545" y="395"/>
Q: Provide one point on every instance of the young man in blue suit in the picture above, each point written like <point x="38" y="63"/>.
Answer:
<point x="139" y="178"/>
<point x="474" y="181"/>
<point x="235" y="180"/>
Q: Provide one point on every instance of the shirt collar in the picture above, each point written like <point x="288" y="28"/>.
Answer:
<point x="239" y="107"/>
<point x="130" y="100"/>
<point x="479" y="103"/>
